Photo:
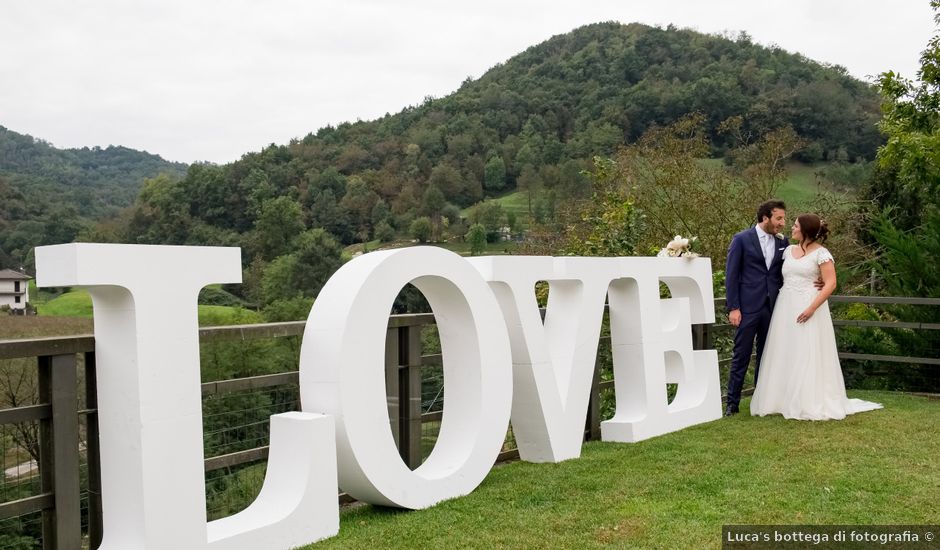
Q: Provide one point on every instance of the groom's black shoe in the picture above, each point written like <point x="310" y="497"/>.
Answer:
<point x="731" y="411"/>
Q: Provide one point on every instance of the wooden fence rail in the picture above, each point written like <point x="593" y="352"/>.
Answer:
<point x="58" y="413"/>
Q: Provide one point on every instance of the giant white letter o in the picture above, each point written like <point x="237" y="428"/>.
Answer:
<point x="342" y="374"/>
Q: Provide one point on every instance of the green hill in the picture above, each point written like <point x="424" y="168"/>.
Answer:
<point x="534" y="121"/>
<point x="47" y="195"/>
<point x="527" y="128"/>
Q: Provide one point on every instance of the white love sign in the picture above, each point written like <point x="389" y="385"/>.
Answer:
<point x="150" y="408"/>
<point x="553" y="362"/>
<point x="342" y="366"/>
<point x="501" y="361"/>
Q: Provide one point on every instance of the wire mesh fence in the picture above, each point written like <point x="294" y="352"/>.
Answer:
<point x="235" y="422"/>
<point x="21" y="532"/>
<point x="236" y="418"/>
<point x="19" y="454"/>
<point x="20" y="480"/>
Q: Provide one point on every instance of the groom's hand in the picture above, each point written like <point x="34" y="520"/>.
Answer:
<point x="734" y="317"/>
<point x="819" y="284"/>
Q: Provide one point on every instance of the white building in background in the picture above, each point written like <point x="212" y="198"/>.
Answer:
<point x="14" y="289"/>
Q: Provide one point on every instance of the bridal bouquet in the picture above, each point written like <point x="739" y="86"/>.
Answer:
<point x="679" y="247"/>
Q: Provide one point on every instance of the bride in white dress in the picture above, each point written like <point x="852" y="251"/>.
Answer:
<point x="800" y="375"/>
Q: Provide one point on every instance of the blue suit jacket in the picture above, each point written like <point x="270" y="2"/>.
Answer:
<point x="749" y="284"/>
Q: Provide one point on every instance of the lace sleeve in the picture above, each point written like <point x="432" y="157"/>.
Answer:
<point x="823" y="256"/>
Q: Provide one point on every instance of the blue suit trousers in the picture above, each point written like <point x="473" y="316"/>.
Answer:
<point x="753" y="326"/>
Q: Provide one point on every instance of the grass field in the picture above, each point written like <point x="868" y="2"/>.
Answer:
<point x="676" y="491"/>
<point x="801" y="185"/>
<point x="33" y="326"/>
<point x="77" y="303"/>
<point x="463" y="248"/>
<point x="517" y="201"/>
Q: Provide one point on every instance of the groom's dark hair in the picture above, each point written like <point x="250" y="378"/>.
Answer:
<point x="766" y="209"/>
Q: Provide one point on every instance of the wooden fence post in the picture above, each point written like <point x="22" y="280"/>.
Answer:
<point x="698" y="337"/>
<point x="58" y="452"/>
<point x="392" y="362"/>
<point x="92" y="453"/>
<point x="593" y="428"/>
<point x="409" y="386"/>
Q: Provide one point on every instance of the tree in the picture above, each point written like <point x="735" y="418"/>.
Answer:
<point x="494" y="174"/>
<point x="761" y="161"/>
<point x="358" y="203"/>
<point x="512" y="221"/>
<point x="303" y="272"/>
<point x="252" y="278"/>
<point x="657" y="188"/>
<point x="318" y="255"/>
<point x="279" y="223"/>
<point x="161" y="213"/>
<point x="909" y="162"/>
<point x="329" y="178"/>
<point x="908" y="263"/>
<point x="278" y="282"/>
<point x="421" y="229"/>
<point x="258" y="188"/>
<point x="288" y="309"/>
<point x="526" y="158"/>
<point x="380" y="213"/>
<point x="530" y="182"/>
<point x="477" y="239"/>
<point x="489" y="214"/>
<point x="433" y="202"/>
<point x="676" y="193"/>
<point x="670" y="181"/>
<point x="907" y="188"/>
<point x="609" y="223"/>
<point x="328" y="214"/>
<point x="384" y="232"/>
<point x="448" y="180"/>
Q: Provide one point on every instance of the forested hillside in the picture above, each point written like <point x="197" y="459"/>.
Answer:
<point x="47" y="195"/>
<point x="533" y="123"/>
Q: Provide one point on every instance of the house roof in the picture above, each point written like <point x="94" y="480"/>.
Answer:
<point x="10" y="275"/>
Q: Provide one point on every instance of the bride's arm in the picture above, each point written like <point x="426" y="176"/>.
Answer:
<point x="828" y="270"/>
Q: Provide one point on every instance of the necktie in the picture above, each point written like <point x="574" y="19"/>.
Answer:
<point x="768" y="250"/>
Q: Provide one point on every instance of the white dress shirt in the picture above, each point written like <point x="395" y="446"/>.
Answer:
<point x="767" y="245"/>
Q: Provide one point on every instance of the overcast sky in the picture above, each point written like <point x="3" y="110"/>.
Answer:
<point x="211" y="80"/>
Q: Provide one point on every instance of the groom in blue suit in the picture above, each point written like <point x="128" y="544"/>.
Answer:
<point x="753" y="279"/>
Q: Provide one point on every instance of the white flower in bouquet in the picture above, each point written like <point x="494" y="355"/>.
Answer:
<point x="679" y="247"/>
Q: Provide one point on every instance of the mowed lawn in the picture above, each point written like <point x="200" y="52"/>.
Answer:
<point x="677" y="490"/>
<point x="77" y="303"/>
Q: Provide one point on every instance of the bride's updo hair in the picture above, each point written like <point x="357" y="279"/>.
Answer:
<point x="813" y="228"/>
